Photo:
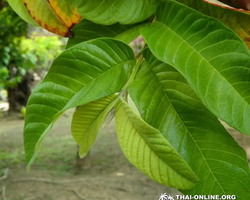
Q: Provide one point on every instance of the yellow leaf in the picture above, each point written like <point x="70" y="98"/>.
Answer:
<point x="55" y="16"/>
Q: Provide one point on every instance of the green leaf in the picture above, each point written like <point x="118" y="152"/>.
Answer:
<point x="236" y="19"/>
<point x="87" y="30"/>
<point x="150" y="152"/>
<point x="19" y="8"/>
<point x="166" y="102"/>
<point x="87" y="121"/>
<point x="213" y="59"/>
<point x="81" y="74"/>
<point x="109" y="12"/>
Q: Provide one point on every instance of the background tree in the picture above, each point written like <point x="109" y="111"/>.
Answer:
<point x="23" y="50"/>
<point x="12" y="31"/>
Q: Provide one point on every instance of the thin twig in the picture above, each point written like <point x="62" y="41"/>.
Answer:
<point x="30" y="198"/>
<point x="3" y="193"/>
<point x="42" y="180"/>
<point x="5" y="174"/>
<point x="47" y="180"/>
<point x="120" y="189"/>
<point x="52" y="182"/>
<point x="78" y="194"/>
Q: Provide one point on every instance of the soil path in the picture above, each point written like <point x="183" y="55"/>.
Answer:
<point x="53" y="176"/>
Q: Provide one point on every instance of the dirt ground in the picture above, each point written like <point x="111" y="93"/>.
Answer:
<point x="53" y="175"/>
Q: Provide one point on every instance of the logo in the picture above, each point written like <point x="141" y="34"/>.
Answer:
<point x="165" y="196"/>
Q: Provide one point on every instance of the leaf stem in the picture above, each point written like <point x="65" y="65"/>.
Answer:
<point x="132" y="77"/>
<point x="136" y="68"/>
<point x="134" y="72"/>
<point x="142" y="49"/>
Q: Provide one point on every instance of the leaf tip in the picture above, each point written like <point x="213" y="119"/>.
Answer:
<point x="83" y="153"/>
<point x="30" y="162"/>
<point x="28" y="167"/>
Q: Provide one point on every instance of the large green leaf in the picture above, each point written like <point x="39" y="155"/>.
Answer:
<point x="109" y="12"/>
<point x="86" y="30"/>
<point x="87" y="121"/>
<point x="213" y="59"/>
<point x="166" y="102"/>
<point x="150" y="152"/>
<point x="19" y="8"/>
<point x="236" y="19"/>
<point x="81" y="74"/>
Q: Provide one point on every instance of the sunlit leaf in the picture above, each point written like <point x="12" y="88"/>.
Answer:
<point x="236" y="19"/>
<point x="109" y="12"/>
<point x="150" y="152"/>
<point x="166" y="102"/>
<point x="88" y="120"/>
<point x="81" y="74"/>
<point x="213" y="59"/>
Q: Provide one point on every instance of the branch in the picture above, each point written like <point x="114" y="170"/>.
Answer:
<point x="5" y="174"/>
<point x="48" y="180"/>
<point x="30" y="198"/>
<point x="3" y="193"/>
<point x="42" y="180"/>
<point x="78" y="194"/>
<point x="52" y="182"/>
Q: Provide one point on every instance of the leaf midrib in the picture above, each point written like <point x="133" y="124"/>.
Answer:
<point x="100" y="114"/>
<point x="117" y="65"/>
<point x="203" y="58"/>
<point x="186" y="128"/>
<point x="159" y="157"/>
